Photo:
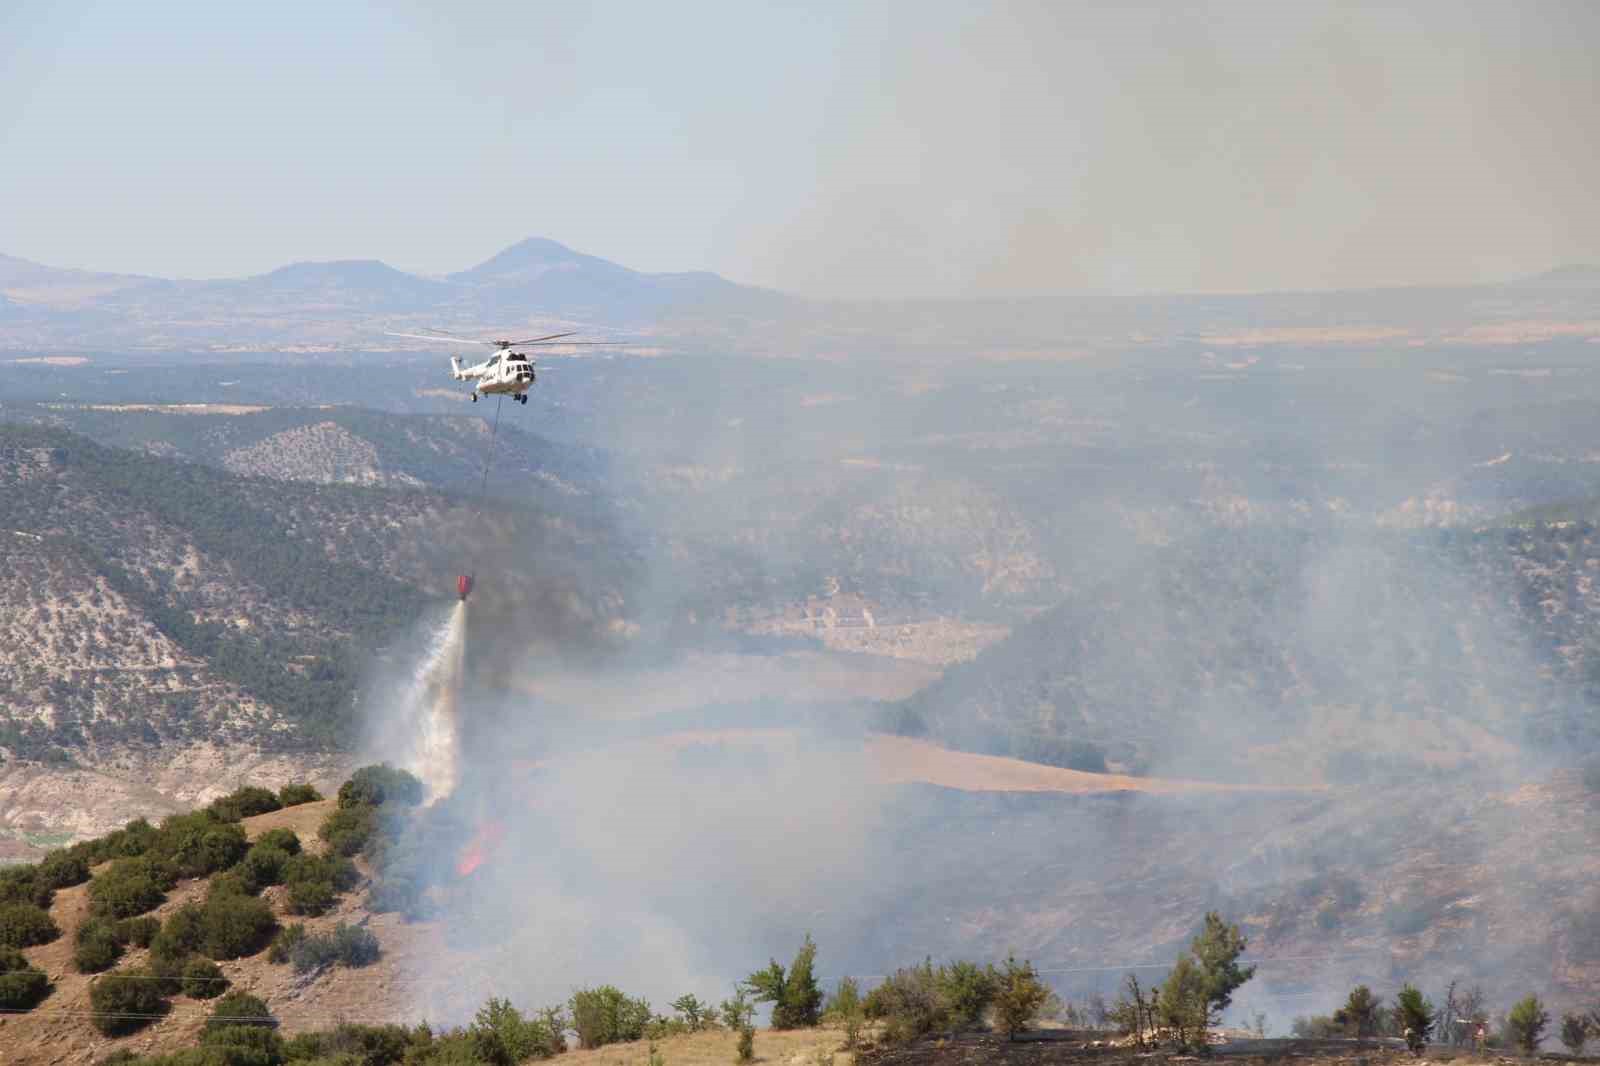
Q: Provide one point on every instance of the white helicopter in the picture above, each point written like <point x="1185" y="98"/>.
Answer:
<point x="507" y="372"/>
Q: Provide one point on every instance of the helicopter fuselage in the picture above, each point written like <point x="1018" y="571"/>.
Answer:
<point x="504" y="374"/>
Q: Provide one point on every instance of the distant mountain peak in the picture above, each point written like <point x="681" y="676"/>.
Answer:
<point x="533" y="257"/>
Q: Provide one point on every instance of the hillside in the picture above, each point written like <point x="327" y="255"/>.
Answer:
<point x="1274" y="653"/>
<point x="160" y="617"/>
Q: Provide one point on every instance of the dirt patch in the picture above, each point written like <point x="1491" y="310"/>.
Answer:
<point x="902" y="760"/>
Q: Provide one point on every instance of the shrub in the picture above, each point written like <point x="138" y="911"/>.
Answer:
<point x="240" y="1009"/>
<point x="373" y="786"/>
<point x="197" y="844"/>
<point x="22" y="985"/>
<point x="350" y="945"/>
<point x="246" y="802"/>
<point x="348" y="829"/>
<point x="356" y="946"/>
<point x="96" y="946"/>
<point x="22" y="925"/>
<point x="846" y="1008"/>
<point x="294" y="795"/>
<point x="965" y="992"/>
<point x="125" y="1001"/>
<point x="1018" y="997"/>
<point x="182" y="934"/>
<point x="63" y="869"/>
<point x="500" y="1034"/>
<point x="283" y="945"/>
<point x="263" y="866"/>
<point x="202" y="979"/>
<point x="1526" y="1024"/>
<point x="1574" y="1032"/>
<point x="1414" y="1015"/>
<point x="238" y="1045"/>
<point x="138" y="931"/>
<point x="605" y="1016"/>
<point x="235" y="925"/>
<point x="131" y="840"/>
<point x="310" y="897"/>
<point x="282" y="838"/>
<point x="130" y="887"/>
<point x="22" y="884"/>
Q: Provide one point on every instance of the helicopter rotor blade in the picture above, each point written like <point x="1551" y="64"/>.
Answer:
<point x="438" y="339"/>
<point x="538" y="340"/>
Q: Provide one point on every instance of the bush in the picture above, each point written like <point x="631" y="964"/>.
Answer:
<point x="63" y="869"/>
<point x="240" y="1009"/>
<point x="348" y="829"/>
<point x="310" y="897"/>
<point x="1526" y="1024"/>
<point x="1414" y="1016"/>
<point x="500" y="1034"/>
<point x="1018" y="997"/>
<point x="965" y="992"/>
<point x="605" y="1016"/>
<point x="263" y="866"/>
<point x="238" y="1045"/>
<point x="247" y="802"/>
<point x="197" y="844"/>
<point x="22" y="884"/>
<point x="235" y="925"/>
<point x="138" y="932"/>
<point x="350" y="945"/>
<point x="283" y="945"/>
<point x="294" y="795"/>
<point x="125" y="1001"/>
<point x="96" y="947"/>
<point x="373" y="786"/>
<point x="356" y="946"/>
<point x="182" y="934"/>
<point x="22" y="925"/>
<point x="202" y="979"/>
<point x="282" y="838"/>
<point x="22" y="985"/>
<point x="130" y="887"/>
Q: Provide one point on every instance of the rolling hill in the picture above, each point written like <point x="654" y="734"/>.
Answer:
<point x="1280" y="653"/>
<point x="151" y="601"/>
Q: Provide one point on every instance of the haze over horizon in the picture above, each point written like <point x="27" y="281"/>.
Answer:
<point x="888" y="151"/>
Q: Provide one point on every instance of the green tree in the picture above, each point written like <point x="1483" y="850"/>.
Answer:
<point x="1414" y="1015"/>
<point x="802" y="998"/>
<point x="1574" y="1032"/>
<point x="1018" y="997"/>
<point x="1183" y="1002"/>
<point x="796" y="1000"/>
<point x="1359" y="1015"/>
<point x="694" y="1013"/>
<point x="1526" y="1024"/>
<point x="1216" y="949"/>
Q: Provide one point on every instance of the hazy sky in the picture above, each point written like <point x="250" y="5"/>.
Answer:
<point x="834" y="148"/>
